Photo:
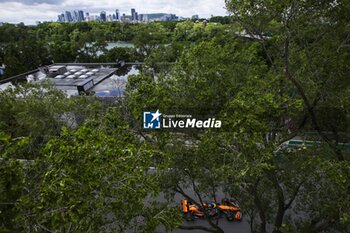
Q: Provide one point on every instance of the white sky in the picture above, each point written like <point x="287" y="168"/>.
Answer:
<point x="30" y="11"/>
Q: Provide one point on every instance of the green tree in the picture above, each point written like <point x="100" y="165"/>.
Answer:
<point x="201" y="85"/>
<point x="113" y="182"/>
<point x="39" y="113"/>
<point x="309" y="60"/>
<point x="122" y="54"/>
<point x="11" y="183"/>
<point x="116" y="191"/>
<point x="148" y="37"/>
<point x="304" y="37"/>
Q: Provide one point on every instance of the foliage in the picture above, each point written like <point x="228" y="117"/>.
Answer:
<point x="272" y="72"/>
<point x="115" y="187"/>
<point x="39" y="113"/>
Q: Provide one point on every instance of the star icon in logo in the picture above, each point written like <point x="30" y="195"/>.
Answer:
<point x="156" y="115"/>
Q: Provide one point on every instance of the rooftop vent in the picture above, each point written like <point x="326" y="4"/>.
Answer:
<point x="60" y="76"/>
<point x="57" y="70"/>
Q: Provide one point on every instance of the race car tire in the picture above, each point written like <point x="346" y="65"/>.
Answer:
<point x="217" y="215"/>
<point x="189" y="216"/>
<point x="238" y="217"/>
<point x="230" y="216"/>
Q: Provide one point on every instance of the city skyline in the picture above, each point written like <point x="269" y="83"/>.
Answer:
<point x="31" y="11"/>
<point x="134" y="16"/>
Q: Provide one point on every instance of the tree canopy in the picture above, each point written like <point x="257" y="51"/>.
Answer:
<point x="273" y="72"/>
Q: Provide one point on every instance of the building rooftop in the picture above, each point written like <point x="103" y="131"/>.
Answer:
<point x="100" y="79"/>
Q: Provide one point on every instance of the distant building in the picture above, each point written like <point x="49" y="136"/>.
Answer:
<point x="78" y="16"/>
<point x="123" y="17"/>
<point x="81" y="17"/>
<point x="61" y="18"/>
<point x="195" y="17"/>
<point x="141" y="17"/>
<point x="87" y="16"/>
<point x="103" y="16"/>
<point x="126" y="18"/>
<point x="168" y="17"/>
<point x="68" y="17"/>
<point x="75" y="16"/>
<point x="133" y="14"/>
<point x="109" y="18"/>
<point x="157" y="17"/>
<point x="93" y="18"/>
<point x="117" y="15"/>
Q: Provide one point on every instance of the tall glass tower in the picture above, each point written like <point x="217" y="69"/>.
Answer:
<point x="103" y="16"/>
<point x="117" y="15"/>
<point x="133" y="14"/>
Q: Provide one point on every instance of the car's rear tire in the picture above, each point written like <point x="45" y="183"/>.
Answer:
<point x="189" y="216"/>
<point x="230" y="216"/>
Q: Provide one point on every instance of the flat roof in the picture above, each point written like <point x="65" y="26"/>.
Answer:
<point x="73" y="79"/>
<point x="100" y="79"/>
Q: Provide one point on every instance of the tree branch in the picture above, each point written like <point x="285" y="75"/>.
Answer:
<point x="293" y="196"/>
<point x="190" y="228"/>
<point x="307" y="103"/>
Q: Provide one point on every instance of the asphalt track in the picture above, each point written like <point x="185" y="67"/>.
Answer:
<point x="226" y="226"/>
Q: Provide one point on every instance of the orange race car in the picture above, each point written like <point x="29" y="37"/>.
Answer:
<point x="228" y="207"/>
<point x="192" y="211"/>
<point x="231" y="209"/>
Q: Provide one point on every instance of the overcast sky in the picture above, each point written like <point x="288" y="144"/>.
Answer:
<point x="30" y="11"/>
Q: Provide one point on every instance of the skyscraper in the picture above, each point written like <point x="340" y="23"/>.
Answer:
<point x="117" y="15"/>
<point x="61" y="18"/>
<point x="68" y="17"/>
<point x="133" y="14"/>
<point x="103" y="16"/>
<point x="81" y="16"/>
<point x="75" y="16"/>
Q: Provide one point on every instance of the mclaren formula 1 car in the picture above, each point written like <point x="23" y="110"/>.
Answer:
<point x="228" y="207"/>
